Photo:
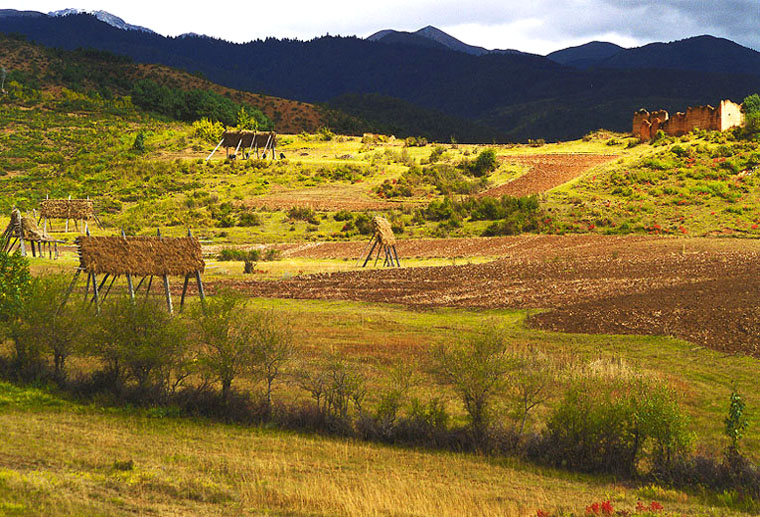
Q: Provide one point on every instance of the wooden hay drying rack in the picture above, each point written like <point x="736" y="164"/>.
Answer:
<point x="134" y="257"/>
<point x="22" y="231"/>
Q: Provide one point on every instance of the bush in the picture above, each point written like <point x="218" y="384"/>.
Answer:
<point x="484" y="164"/>
<point x="139" y="143"/>
<point x="303" y="213"/>
<point x="608" y="426"/>
<point x="15" y="281"/>
<point x="476" y="369"/>
<point x="207" y="130"/>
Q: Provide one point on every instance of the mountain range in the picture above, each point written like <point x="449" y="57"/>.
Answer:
<point x="501" y="95"/>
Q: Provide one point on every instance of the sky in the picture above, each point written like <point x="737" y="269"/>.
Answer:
<point x="537" y="26"/>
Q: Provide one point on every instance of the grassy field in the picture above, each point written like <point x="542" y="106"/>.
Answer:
<point x="57" y="458"/>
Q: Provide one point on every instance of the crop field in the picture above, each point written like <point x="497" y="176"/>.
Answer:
<point x="702" y="290"/>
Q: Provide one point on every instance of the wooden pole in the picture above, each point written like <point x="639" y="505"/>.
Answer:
<point x="168" y="294"/>
<point x="237" y="148"/>
<point x="130" y="287"/>
<point x="96" y="297"/>
<point x="21" y="243"/>
<point x="184" y="291"/>
<point x="369" y="243"/>
<point x="71" y="287"/>
<point x="147" y="290"/>
<point x="378" y="254"/>
<point x="396" y="255"/>
<point x="87" y="288"/>
<point x="369" y="255"/>
<point x="215" y="149"/>
<point x="201" y="293"/>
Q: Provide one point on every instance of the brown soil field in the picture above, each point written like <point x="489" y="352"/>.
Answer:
<point x="546" y="172"/>
<point x="704" y="290"/>
<point x="319" y="198"/>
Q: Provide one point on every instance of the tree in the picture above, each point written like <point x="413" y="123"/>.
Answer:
<point x="751" y="108"/>
<point x="141" y="341"/>
<point x="15" y="281"/>
<point x="245" y="121"/>
<point x="225" y="349"/>
<point x="476" y="369"/>
<point x="736" y="422"/>
<point x="273" y="347"/>
<point x="51" y="327"/>
<point x="484" y="163"/>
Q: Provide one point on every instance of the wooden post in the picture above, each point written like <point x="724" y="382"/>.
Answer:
<point x="201" y="294"/>
<point x="396" y="255"/>
<point x="184" y="291"/>
<point x="21" y="243"/>
<point x="378" y="253"/>
<point x="130" y="287"/>
<point x="369" y="255"/>
<point x="215" y="149"/>
<point x="96" y="297"/>
<point x="237" y="148"/>
<point x="168" y="294"/>
<point x="147" y="290"/>
<point x="71" y="287"/>
<point x="87" y="288"/>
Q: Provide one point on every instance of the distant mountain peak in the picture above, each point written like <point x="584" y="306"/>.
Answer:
<point x="586" y="55"/>
<point x="428" y="34"/>
<point x="103" y="16"/>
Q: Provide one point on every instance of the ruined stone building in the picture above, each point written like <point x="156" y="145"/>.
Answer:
<point x="727" y="115"/>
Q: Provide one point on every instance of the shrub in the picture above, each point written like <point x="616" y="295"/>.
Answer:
<point x="207" y="130"/>
<point x="609" y="425"/>
<point x="139" y="143"/>
<point x="15" y="281"/>
<point x="303" y="213"/>
<point x="484" y="164"/>
<point x="476" y="369"/>
<point x="141" y="341"/>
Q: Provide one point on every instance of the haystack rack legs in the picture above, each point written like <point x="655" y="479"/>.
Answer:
<point x="389" y="252"/>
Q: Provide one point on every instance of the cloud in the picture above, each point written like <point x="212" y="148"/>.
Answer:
<point x="539" y="26"/>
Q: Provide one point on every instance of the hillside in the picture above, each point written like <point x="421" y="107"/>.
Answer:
<point x="51" y="69"/>
<point x="521" y="96"/>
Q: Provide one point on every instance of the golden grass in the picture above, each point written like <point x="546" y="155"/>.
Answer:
<point x="71" y="460"/>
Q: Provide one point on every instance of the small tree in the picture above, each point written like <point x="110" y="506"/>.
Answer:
<point x="273" y="348"/>
<point x="476" y="369"/>
<point x="15" y="281"/>
<point x="51" y="327"/>
<point x="141" y="341"/>
<point x="736" y="421"/>
<point x="222" y="353"/>
<point x="484" y="164"/>
<point x="139" y="143"/>
<point x="246" y="121"/>
<point x="751" y="109"/>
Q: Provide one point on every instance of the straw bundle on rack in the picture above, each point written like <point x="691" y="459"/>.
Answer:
<point x="140" y="256"/>
<point x="383" y="231"/>
<point x="67" y="209"/>
<point x="32" y="232"/>
<point x="245" y="139"/>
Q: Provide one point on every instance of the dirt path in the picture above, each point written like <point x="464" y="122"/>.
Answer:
<point x="546" y="172"/>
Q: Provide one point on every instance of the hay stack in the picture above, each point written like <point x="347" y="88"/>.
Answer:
<point x="245" y="138"/>
<point x="32" y="232"/>
<point x="82" y="209"/>
<point x="383" y="231"/>
<point x="140" y="256"/>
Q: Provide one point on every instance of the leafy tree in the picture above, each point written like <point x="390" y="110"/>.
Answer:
<point x="273" y="348"/>
<point x="736" y="422"/>
<point x="51" y="327"/>
<point x="245" y="121"/>
<point x="477" y="370"/>
<point x="751" y="108"/>
<point x="141" y="341"/>
<point x="484" y="164"/>
<point x="15" y="281"/>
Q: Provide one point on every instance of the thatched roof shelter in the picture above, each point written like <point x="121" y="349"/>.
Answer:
<point x="67" y="209"/>
<point x="383" y="231"/>
<point x="245" y="139"/>
<point x="140" y="256"/>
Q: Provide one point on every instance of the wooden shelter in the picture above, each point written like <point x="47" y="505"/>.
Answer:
<point x="385" y="242"/>
<point x="77" y="210"/>
<point x="23" y="231"/>
<point x="134" y="257"/>
<point x="251" y="142"/>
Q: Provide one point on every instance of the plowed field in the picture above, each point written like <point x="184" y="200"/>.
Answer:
<point x="703" y="290"/>
<point x="546" y="172"/>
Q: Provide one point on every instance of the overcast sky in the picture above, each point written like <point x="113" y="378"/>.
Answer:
<point x="538" y="26"/>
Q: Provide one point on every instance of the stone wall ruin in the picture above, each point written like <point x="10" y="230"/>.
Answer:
<point x="727" y="115"/>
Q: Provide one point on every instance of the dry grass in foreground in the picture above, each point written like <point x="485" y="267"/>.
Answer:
<point x="62" y="459"/>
